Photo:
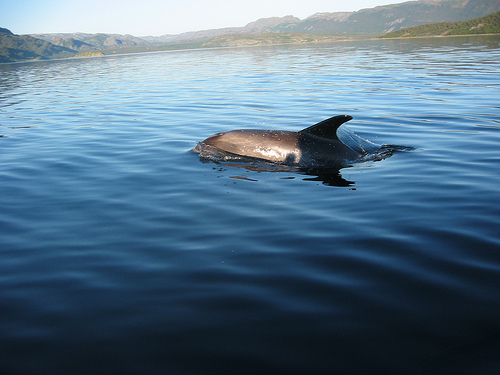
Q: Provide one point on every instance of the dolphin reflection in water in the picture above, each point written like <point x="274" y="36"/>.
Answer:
<point x="313" y="150"/>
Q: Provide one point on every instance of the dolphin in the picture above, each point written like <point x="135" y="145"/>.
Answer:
<point x="315" y="145"/>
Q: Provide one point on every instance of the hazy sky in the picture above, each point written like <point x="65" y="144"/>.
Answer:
<point x="157" y="17"/>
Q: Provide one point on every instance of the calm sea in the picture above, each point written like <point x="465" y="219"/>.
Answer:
<point x="124" y="253"/>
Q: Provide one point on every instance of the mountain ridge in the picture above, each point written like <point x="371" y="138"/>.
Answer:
<point x="365" y="22"/>
<point x="25" y="47"/>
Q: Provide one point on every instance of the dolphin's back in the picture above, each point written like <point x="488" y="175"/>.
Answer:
<point x="273" y="145"/>
<point x="316" y="144"/>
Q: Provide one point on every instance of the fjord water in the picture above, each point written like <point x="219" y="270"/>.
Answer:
<point x="123" y="253"/>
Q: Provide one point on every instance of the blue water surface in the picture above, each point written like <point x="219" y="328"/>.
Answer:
<point x="122" y="252"/>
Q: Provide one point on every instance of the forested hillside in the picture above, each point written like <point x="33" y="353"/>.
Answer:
<point x="484" y="25"/>
<point x="24" y="47"/>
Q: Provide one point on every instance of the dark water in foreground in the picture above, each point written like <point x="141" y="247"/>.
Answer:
<point x="122" y="253"/>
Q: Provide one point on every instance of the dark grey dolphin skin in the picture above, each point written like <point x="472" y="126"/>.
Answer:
<point x="316" y="144"/>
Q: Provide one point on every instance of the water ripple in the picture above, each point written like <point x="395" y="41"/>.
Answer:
<point x="122" y="251"/>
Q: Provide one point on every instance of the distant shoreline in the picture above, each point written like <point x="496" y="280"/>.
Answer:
<point x="193" y="48"/>
<point x="434" y="36"/>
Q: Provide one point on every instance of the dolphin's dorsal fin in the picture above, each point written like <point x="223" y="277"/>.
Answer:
<point x="327" y="128"/>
